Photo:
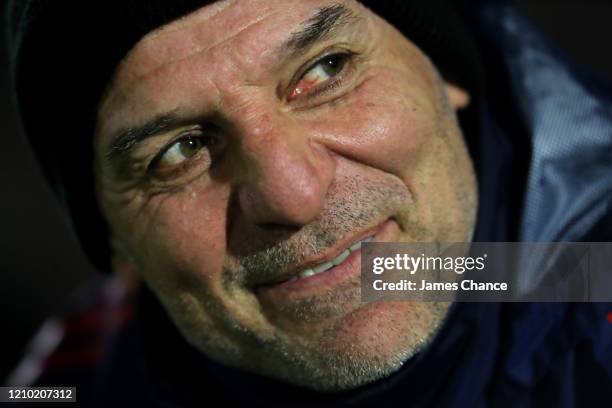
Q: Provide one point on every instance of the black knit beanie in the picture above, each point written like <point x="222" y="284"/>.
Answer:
<point x="63" y="54"/>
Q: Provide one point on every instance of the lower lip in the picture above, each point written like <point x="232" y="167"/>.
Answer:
<point x="350" y="268"/>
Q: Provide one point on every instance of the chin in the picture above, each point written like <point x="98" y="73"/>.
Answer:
<point x="365" y="346"/>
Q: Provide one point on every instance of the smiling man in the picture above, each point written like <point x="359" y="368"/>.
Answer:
<point x="242" y="153"/>
<point x="241" y="168"/>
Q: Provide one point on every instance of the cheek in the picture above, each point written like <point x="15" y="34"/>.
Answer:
<point x="395" y="123"/>
<point x="181" y="236"/>
<point x="380" y="124"/>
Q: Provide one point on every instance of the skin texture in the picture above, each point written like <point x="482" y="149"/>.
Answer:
<point x="284" y="179"/>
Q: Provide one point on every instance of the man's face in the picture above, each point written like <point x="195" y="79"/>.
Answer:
<point x="243" y="147"/>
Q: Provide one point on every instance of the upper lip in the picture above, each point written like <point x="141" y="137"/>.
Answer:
<point x="329" y="254"/>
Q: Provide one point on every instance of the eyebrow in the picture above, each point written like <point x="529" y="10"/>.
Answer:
<point x="322" y="25"/>
<point x="127" y="138"/>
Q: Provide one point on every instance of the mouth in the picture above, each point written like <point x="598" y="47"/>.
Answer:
<point x="327" y="265"/>
<point x="339" y="263"/>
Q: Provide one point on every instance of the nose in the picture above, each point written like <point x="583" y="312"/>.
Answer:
<point x="286" y="172"/>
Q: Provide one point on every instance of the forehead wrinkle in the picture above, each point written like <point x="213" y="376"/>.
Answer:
<point x="204" y="13"/>
<point x="195" y="50"/>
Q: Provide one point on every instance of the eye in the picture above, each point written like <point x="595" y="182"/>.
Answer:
<point x="321" y="72"/>
<point x="180" y="152"/>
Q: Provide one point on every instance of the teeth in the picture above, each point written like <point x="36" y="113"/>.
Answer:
<point x="306" y="273"/>
<point x="340" y="258"/>
<point x="355" y="246"/>
<point x="330" y="264"/>
<point x="323" y="267"/>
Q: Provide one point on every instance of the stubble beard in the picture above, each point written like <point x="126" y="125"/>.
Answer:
<point x="313" y="346"/>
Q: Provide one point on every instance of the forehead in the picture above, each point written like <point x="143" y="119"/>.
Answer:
<point x="250" y="28"/>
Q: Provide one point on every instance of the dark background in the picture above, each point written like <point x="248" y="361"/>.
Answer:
<point x="40" y="261"/>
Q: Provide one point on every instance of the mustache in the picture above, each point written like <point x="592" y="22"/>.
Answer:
<point x="352" y="205"/>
